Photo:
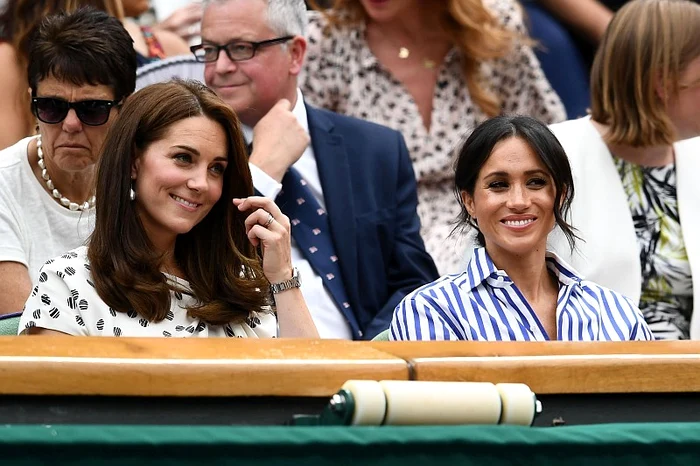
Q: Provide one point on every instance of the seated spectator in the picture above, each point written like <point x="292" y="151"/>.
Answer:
<point x="171" y="254"/>
<point x="347" y="184"/>
<point x="17" y="21"/>
<point x="515" y="185"/>
<point x="81" y="67"/>
<point x="638" y="199"/>
<point x="432" y="70"/>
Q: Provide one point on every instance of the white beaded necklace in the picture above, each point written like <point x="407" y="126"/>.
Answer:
<point x="65" y="202"/>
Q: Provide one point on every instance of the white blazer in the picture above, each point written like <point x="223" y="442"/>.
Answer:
<point x="600" y="212"/>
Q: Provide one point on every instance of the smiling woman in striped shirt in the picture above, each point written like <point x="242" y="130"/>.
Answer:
<point x="515" y="185"/>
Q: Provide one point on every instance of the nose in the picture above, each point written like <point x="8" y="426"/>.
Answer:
<point x="224" y="64"/>
<point x="72" y="124"/>
<point x="518" y="198"/>
<point x="198" y="181"/>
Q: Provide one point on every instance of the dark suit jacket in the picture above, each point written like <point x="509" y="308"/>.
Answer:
<point x="370" y="192"/>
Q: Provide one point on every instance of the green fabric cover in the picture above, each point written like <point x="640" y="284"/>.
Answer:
<point x="9" y="326"/>
<point x="599" y="445"/>
<point x="382" y="336"/>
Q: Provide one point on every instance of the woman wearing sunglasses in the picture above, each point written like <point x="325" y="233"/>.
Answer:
<point x="81" y="67"/>
<point x="173" y="252"/>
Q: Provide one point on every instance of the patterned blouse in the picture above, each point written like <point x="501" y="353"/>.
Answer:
<point x="667" y="290"/>
<point x="65" y="300"/>
<point x="342" y="74"/>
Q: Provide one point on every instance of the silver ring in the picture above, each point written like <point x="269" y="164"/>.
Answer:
<point x="269" y="220"/>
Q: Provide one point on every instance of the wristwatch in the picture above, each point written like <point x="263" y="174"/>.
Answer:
<point x="294" y="282"/>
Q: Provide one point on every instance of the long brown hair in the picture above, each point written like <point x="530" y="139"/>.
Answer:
<point x="646" y="47"/>
<point x="216" y="256"/>
<point x="475" y="31"/>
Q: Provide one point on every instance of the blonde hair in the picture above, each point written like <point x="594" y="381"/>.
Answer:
<point x="637" y="68"/>
<point x="475" y="31"/>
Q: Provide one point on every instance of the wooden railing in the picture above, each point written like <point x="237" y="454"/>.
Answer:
<point x="317" y="368"/>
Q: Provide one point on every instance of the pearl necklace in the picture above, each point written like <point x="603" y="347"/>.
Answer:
<point x="65" y="202"/>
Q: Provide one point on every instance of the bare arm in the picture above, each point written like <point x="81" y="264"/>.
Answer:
<point x="172" y="43"/>
<point x="15" y="286"/>
<point x="14" y="100"/>
<point x="589" y="17"/>
<point x="44" y="331"/>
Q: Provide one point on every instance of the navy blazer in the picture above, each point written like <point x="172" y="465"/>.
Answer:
<point x="370" y="193"/>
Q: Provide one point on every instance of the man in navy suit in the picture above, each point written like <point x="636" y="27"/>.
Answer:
<point x="356" y="245"/>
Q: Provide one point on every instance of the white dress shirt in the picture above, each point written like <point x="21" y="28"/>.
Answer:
<point x="330" y="321"/>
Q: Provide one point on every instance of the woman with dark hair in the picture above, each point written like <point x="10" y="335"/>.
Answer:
<point x="81" y="67"/>
<point x="514" y="185"/>
<point x="171" y="254"/>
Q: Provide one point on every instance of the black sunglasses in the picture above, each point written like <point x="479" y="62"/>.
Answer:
<point x="91" y="112"/>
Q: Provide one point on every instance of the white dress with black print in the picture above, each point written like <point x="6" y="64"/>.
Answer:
<point x="342" y="74"/>
<point x="65" y="300"/>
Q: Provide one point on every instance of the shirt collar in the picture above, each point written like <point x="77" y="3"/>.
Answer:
<point x="299" y="111"/>
<point x="481" y="268"/>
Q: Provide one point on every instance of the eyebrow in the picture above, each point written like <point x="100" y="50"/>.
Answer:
<point x="528" y="172"/>
<point x="196" y="152"/>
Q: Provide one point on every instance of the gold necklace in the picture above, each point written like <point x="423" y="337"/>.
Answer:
<point x="404" y="53"/>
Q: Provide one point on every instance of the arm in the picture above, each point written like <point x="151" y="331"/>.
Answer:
<point x="15" y="286"/>
<point x="274" y="238"/>
<point x="53" y="307"/>
<point x="14" y="99"/>
<point x="411" y="266"/>
<point x="588" y="17"/>
<point x="184" y="21"/>
<point x="417" y="318"/>
<point x="172" y="43"/>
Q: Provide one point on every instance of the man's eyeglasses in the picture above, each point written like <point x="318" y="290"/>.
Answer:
<point x="91" y="112"/>
<point x="237" y="50"/>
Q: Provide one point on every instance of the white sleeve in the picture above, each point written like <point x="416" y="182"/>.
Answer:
<point x="53" y="305"/>
<point x="12" y="246"/>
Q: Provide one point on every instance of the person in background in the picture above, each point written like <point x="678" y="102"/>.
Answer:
<point x="17" y="21"/>
<point x="81" y="67"/>
<point x="151" y="42"/>
<point x="639" y="195"/>
<point x="514" y="185"/>
<point x="432" y="70"/>
<point x="173" y="252"/>
<point x="347" y="184"/>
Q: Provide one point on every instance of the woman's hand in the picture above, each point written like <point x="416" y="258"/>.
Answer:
<point x="184" y="21"/>
<point x="267" y="227"/>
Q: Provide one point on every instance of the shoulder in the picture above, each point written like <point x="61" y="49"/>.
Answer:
<point x="611" y="301"/>
<point x="435" y="294"/>
<point x="73" y="263"/>
<point x="349" y="123"/>
<point x="12" y="156"/>
<point x="571" y="132"/>
<point x="507" y="12"/>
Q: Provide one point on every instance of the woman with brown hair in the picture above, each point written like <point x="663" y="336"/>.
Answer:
<point x="434" y="71"/>
<point x="173" y="252"/>
<point x="638" y="192"/>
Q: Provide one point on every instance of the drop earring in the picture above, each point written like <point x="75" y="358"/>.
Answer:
<point x="132" y="193"/>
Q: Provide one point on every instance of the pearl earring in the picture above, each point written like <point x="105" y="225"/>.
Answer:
<point x="132" y="193"/>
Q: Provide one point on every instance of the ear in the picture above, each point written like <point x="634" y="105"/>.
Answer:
<point x="468" y="202"/>
<point x="135" y="165"/>
<point x="297" y="51"/>
<point x="660" y="89"/>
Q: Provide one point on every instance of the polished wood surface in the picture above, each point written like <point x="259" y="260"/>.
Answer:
<point x="187" y="367"/>
<point x="235" y="367"/>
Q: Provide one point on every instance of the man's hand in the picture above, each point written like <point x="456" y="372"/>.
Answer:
<point x="278" y="141"/>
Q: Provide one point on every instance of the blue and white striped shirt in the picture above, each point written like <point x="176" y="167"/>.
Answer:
<point x="483" y="303"/>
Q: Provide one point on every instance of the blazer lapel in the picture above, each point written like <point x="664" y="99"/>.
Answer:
<point x="334" y="172"/>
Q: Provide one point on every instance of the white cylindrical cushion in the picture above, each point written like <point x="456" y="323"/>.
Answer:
<point x="370" y="402"/>
<point x="446" y="403"/>
<point x="518" y="403"/>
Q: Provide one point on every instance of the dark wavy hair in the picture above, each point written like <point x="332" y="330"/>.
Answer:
<point x="478" y="148"/>
<point x="216" y="256"/>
